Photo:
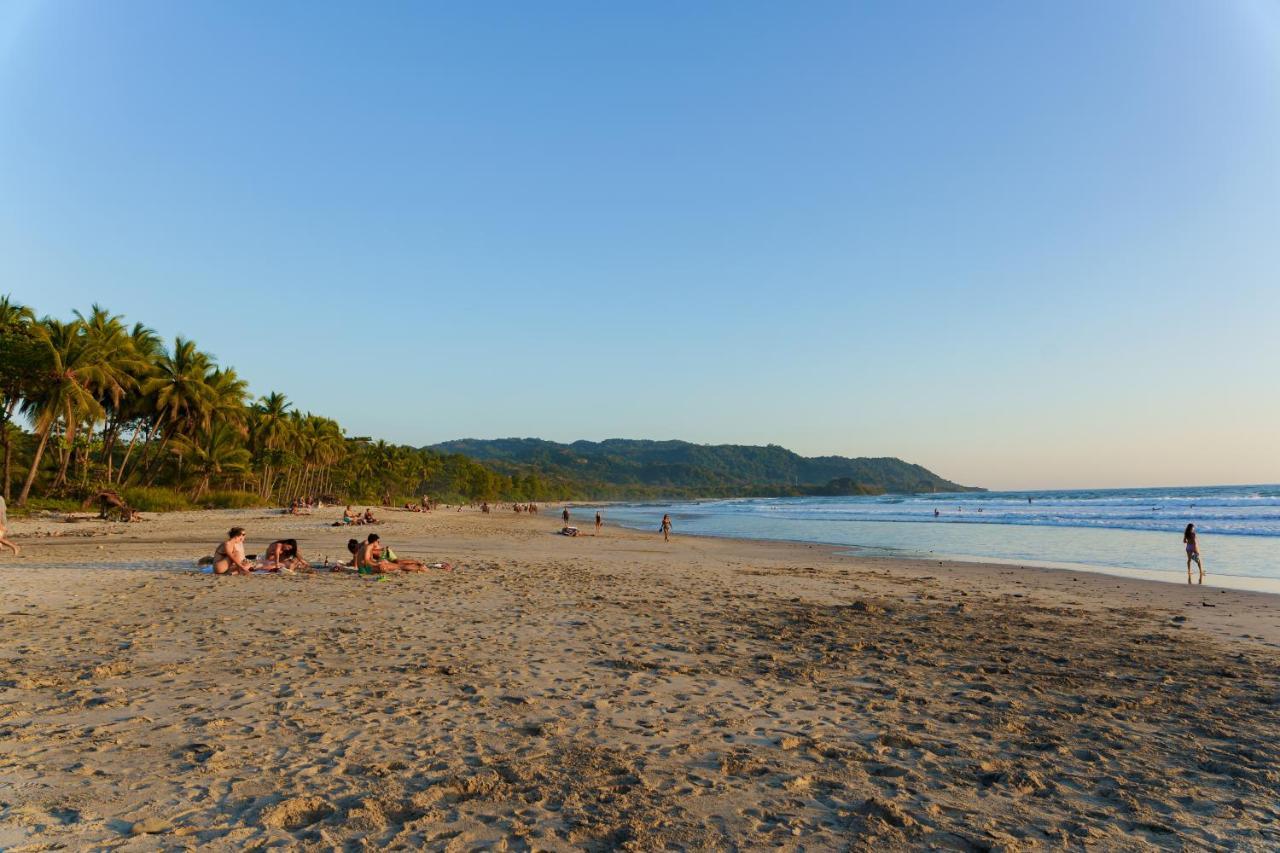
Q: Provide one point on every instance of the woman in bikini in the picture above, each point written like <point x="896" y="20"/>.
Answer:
<point x="666" y="527"/>
<point x="228" y="557"/>
<point x="1193" y="551"/>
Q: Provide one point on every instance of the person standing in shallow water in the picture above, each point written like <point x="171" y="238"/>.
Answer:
<point x="1193" y="551"/>
<point x="666" y="527"/>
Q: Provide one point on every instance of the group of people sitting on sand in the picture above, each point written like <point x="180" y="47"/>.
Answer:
<point x="369" y="557"/>
<point x="529" y="508"/>
<point x="282" y="555"/>
<point x="349" y="517"/>
<point x="425" y="506"/>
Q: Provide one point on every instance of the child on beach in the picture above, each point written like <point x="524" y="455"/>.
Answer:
<point x="1193" y="551"/>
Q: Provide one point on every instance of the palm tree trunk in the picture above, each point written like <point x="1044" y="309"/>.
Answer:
<point x="8" y="458"/>
<point x="125" y="461"/>
<point x="156" y="464"/>
<point x="109" y="433"/>
<point x="35" y="464"/>
<point x="69" y="436"/>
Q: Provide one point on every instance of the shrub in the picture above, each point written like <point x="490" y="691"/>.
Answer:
<point x="152" y="499"/>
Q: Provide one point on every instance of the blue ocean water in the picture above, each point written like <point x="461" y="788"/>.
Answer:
<point x="1130" y="530"/>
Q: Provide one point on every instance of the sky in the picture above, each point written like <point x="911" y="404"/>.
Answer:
<point x="1027" y="245"/>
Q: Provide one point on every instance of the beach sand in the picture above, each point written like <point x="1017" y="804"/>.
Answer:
<point x="560" y="693"/>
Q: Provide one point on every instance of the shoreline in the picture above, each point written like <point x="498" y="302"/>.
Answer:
<point x="1247" y="582"/>
<point x="175" y="549"/>
<point x="616" y="691"/>
<point x="1242" y="583"/>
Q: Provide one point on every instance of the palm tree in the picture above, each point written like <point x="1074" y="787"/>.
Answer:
<point x="19" y="359"/>
<point x="270" y="428"/>
<point x="228" y="400"/>
<point x="183" y="397"/>
<point x="119" y="365"/>
<point x="139" y="407"/>
<point x="70" y="375"/>
<point x="214" y="452"/>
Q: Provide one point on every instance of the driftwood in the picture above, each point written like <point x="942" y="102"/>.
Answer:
<point x="110" y="503"/>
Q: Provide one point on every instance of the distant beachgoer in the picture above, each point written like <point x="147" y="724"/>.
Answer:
<point x="1193" y="551"/>
<point x="936" y="513"/>
<point x="368" y="516"/>
<point x="565" y="515"/>
<point x="4" y="526"/>
<point x="666" y="527"/>
<point x="1028" y="500"/>
<point x="228" y="557"/>
<point x="599" y="523"/>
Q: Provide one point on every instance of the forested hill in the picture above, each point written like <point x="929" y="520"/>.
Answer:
<point x="631" y="468"/>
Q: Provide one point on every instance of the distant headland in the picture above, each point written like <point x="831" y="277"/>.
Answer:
<point x="631" y="468"/>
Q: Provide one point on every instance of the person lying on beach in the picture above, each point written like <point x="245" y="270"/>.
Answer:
<point x="228" y="557"/>
<point x="283" y="554"/>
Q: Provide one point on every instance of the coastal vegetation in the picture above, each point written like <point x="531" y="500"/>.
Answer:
<point x="634" y="468"/>
<point x="93" y="403"/>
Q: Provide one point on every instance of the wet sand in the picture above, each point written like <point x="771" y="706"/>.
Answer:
<point x="618" y="692"/>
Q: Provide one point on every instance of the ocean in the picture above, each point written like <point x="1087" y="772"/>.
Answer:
<point x="1134" y="532"/>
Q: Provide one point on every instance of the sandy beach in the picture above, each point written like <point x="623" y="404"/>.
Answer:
<point x="605" y="692"/>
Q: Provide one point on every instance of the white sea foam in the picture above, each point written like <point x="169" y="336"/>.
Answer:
<point x="1239" y="526"/>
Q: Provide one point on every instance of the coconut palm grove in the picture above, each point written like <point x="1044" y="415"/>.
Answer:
<point x="93" y="403"/>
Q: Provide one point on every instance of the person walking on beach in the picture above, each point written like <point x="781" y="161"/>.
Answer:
<point x="1193" y="551"/>
<point x="4" y="525"/>
<point x="599" y="523"/>
<point x="666" y="527"/>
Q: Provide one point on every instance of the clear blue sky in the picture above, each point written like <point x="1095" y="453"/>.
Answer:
<point x="1023" y="244"/>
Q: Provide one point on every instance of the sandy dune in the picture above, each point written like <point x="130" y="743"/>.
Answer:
<point x="557" y="694"/>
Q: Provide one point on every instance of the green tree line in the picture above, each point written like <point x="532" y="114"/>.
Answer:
<point x="94" y="403"/>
